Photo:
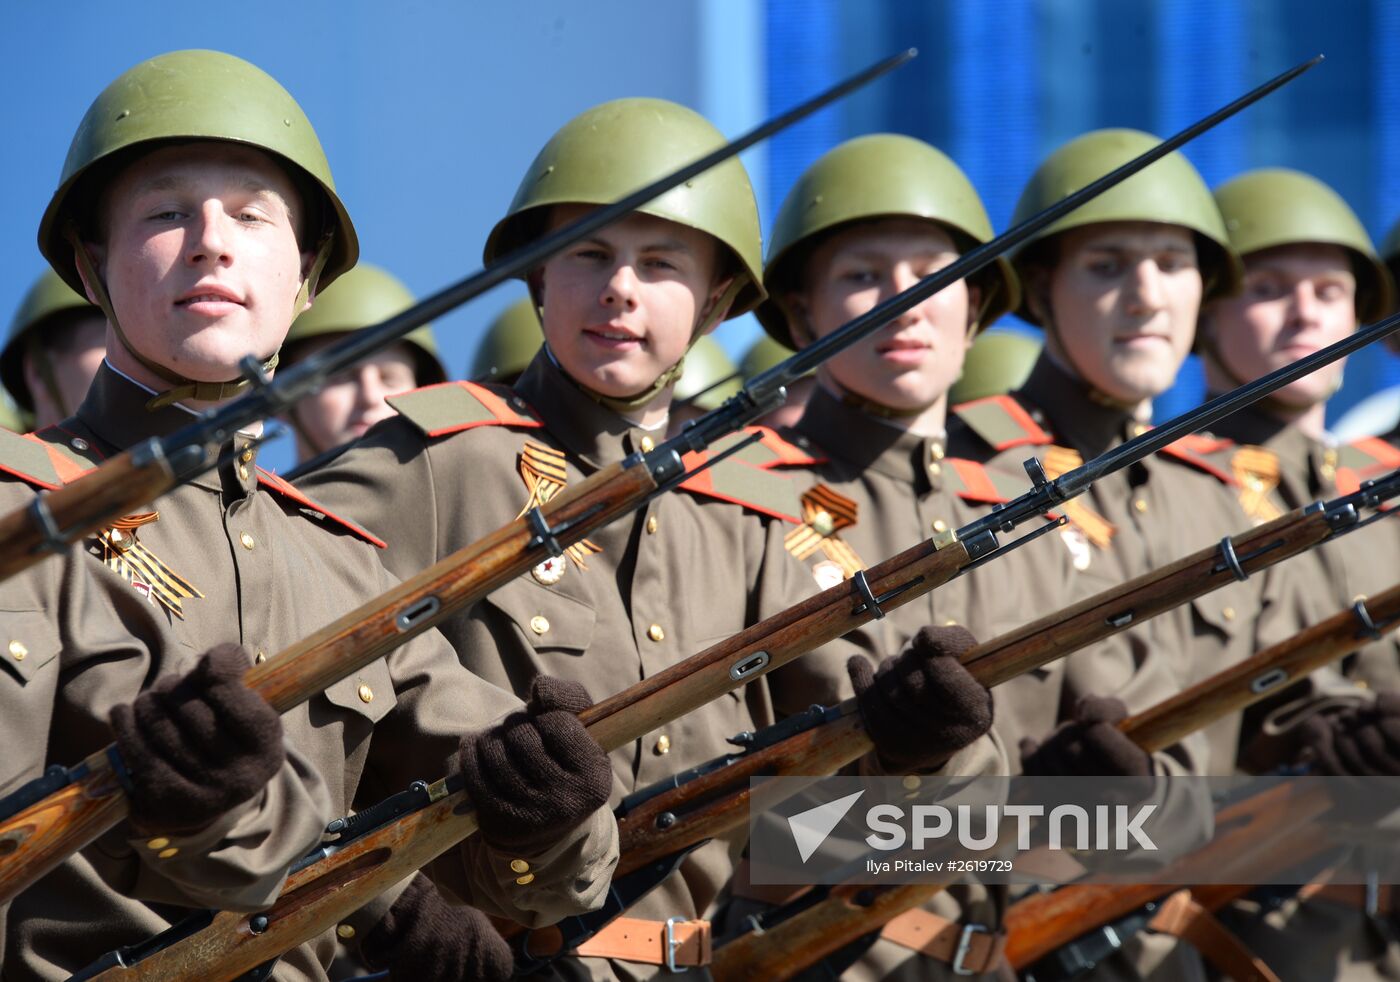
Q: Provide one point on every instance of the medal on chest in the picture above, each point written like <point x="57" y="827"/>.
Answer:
<point x="124" y="553"/>
<point x="824" y="514"/>
<point x="542" y="469"/>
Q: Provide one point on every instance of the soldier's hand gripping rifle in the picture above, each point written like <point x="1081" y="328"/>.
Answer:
<point x="793" y="940"/>
<point x="40" y="825"/>
<point x="656" y="825"/>
<point x="56" y="519"/>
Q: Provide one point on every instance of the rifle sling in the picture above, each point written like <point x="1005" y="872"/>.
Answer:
<point x="1180" y="916"/>
<point x="675" y="942"/>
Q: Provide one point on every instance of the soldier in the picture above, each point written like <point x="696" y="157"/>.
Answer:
<point x="348" y="405"/>
<point x="997" y="363"/>
<point x="1311" y="275"/>
<point x="56" y="343"/>
<point x="510" y="344"/>
<point x="1117" y="286"/>
<point x="621" y="310"/>
<point x="1390" y="251"/>
<point x="866" y="221"/>
<point x="709" y="379"/>
<point x="197" y="209"/>
<point x="763" y="354"/>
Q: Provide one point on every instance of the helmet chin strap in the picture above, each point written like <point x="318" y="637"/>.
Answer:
<point x="182" y="387"/>
<point x="627" y="404"/>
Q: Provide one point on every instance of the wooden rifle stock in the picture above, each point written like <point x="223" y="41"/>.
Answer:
<point x="38" y="837"/>
<point x="852" y="911"/>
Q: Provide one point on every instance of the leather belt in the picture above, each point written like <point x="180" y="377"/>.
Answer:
<point x="970" y="949"/>
<point x="675" y="942"/>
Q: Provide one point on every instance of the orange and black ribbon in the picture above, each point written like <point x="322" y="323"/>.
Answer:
<point x="125" y="554"/>
<point x="542" y="470"/>
<point x="1257" y="474"/>
<point x="1096" y="528"/>
<point x="824" y="514"/>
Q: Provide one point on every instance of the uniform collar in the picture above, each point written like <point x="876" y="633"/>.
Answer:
<point x="114" y="412"/>
<point x="586" y="429"/>
<point x="1071" y="412"/>
<point x="867" y="443"/>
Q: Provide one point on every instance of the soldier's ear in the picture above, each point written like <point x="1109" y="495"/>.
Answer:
<point x="974" y="313"/>
<point x="712" y="314"/>
<point x="98" y="255"/>
<point x="794" y="305"/>
<point x="1036" y="284"/>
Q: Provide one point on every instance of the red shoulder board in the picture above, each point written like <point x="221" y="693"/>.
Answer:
<point x="1364" y="459"/>
<point x="274" y="483"/>
<point x="451" y="407"/>
<point x="47" y="459"/>
<point x="971" y="481"/>
<point x="741" y="482"/>
<point x="1195" y="450"/>
<point x="773" y="449"/>
<point x="1002" y="422"/>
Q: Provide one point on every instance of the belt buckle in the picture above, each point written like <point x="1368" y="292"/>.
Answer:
<point x="672" y="944"/>
<point x="965" y="947"/>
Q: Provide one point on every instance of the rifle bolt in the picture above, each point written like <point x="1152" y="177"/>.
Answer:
<point x="258" y="924"/>
<point x="665" y="820"/>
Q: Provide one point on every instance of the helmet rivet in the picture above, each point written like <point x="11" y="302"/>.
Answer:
<point x="123" y="114"/>
<point x="286" y="122"/>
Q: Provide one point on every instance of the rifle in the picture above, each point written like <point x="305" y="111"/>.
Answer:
<point x="64" y="810"/>
<point x="54" y="520"/>
<point x="658" y="824"/>
<point x="791" y="941"/>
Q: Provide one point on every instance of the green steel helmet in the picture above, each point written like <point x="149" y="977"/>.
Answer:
<point x="12" y="418"/>
<point x="1390" y="254"/>
<point x="710" y="376"/>
<point x="612" y="150"/>
<point x="997" y="363"/>
<point x="511" y="342"/>
<point x="363" y="297"/>
<point x="879" y="176"/>
<point x="1169" y="192"/>
<point x="765" y="353"/>
<point x="47" y="300"/>
<point x="1276" y="206"/>
<point x="189" y="96"/>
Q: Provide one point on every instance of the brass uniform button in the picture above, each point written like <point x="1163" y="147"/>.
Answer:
<point x="950" y="622"/>
<point x="167" y="853"/>
<point x="1362" y="684"/>
<point x="656" y="633"/>
<point x="365" y="693"/>
<point x="243" y="472"/>
<point x="345" y="931"/>
<point x="519" y="866"/>
<point x="663" y="745"/>
<point x="246" y="539"/>
<point x="939" y="525"/>
<point x="648" y="444"/>
<point x="246" y="457"/>
<point x="158" y="843"/>
<point x="936" y="451"/>
<point x="1228" y="613"/>
<point x="78" y="444"/>
<point x="18" y="650"/>
<point x="935" y="469"/>
<point x="652" y="524"/>
<point x="539" y="623"/>
<point x="911" y="783"/>
<point x="525" y="880"/>
<point x="1140" y="506"/>
<point x="260" y="657"/>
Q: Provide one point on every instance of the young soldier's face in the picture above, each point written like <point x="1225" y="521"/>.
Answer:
<point x="1296" y="299"/>
<point x="1123" y="297"/>
<point x="911" y="362"/>
<point x="200" y="257"/>
<point x="353" y="401"/>
<point x="620" y="308"/>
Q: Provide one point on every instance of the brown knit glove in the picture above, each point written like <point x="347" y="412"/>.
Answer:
<point x="1088" y="745"/>
<point x="197" y="745"/>
<point x="922" y="706"/>
<point x="537" y="774"/>
<point x="423" y="938"/>
<point x="1359" y="741"/>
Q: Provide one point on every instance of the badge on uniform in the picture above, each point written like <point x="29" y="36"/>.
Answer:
<point x="542" y="470"/>
<point x="128" y="557"/>
<point x="1257" y="474"/>
<point x="824" y="514"/>
<point x="1080" y="552"/>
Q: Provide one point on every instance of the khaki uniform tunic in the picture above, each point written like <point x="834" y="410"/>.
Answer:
<point x="685" y="572"/>
<point x="1128" y="524"/>
<point x="1319" y="938"/>
<point x="890" y="490"/>
<point x="273" y="567"/>
<point x="75" y="642"/>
